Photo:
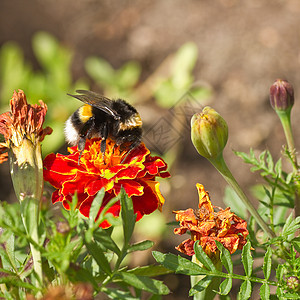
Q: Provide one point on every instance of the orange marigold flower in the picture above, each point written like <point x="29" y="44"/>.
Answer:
<point x="23" y="123"/>
<point x="136" y="175"/>
<point x="207" y="226"/>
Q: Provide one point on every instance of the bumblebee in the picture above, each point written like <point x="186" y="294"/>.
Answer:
<point x="101" y="117"/>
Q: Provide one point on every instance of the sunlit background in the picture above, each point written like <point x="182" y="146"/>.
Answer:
<point x="169" y="59"/>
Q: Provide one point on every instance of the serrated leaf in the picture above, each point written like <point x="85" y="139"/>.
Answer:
<point x="203" y="258"/>
<point x="270" y="162"/>
<point x="291" y="225"/>
<point x="128" y="216"/>
<point x="105" y="239"/>
<point x="247" y="259"/>
<point x="225" y="257"/>
<point x="99" y="257"/>
<point x="225" y="286"/>
<point x="280" y="272"/>
<point x="244" y="156"/>
<point x="150" y="271"/>
<point x="145" y="283"/>
<point x="289" y="296"/>
<point x="267" y="263"/>
<point x="141" y="246"/>
<point x="289" y="178"/>
<point x="245" y="290"/>
<point x="200" y="286"/>
<point x="117" y="294"/>
<point x="178" y="264"/>
<point x="278" y="168"/>
<point x="261" y="157"/>
<point x="264" y="292"/>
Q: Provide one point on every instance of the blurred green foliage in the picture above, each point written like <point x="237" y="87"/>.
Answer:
<point x="53" y="80"/>
<point x="118" y="83"/>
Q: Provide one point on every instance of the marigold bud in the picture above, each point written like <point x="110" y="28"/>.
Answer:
<point x="293" y="282"/>
<point x="281" y="95"/>
<point x="209" y="133"/>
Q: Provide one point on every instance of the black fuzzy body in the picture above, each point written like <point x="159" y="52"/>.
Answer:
<point x="105" y="118"/>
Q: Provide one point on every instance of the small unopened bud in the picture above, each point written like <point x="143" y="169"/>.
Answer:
<point x="209" y="133"/>
<point x="62" y="227"/>
<point x="281" y="95"/>
<point x="293" y="282"/>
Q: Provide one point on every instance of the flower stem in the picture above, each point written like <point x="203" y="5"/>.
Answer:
<point x="220" y="165"/>
<point x="285" y="119"/>
<point x="209" y="292"/>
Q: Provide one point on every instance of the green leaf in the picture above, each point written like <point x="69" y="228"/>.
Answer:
<point x="129" y="74"/>
<point x="200" y="286"/>
<point x="203" y="258"/>
<point x="267" y="263"/>
<point x="29" y="210"/>
<point x="247" y="259"/>
<point x="280" y="272"/>
<point x="289" y="296"/>
<point x="99" y="257"/>
<point x="178" y="264"/>
<point x="141" y="246"/>
<point x="291" y="225"/>
<point x="225" y="286"/>
<point x="95" y="207"/>
<point x="225" y="257"/>
<point x="264" y="292"/>
<point x="128" y="216"/>
<point x="151" y="270"/>
<point x="270" y="162"/>
<point x="245" y="290"/>
<point x="278" y="168"/>
<point x="232" y="200"/>
<point x="102" y="237"/>
<point x="80" y="274"/>
<point x="117" y="294"/>
<point x="244" y="156"/>
<point x="145" y="283"/>
<point x="100" y="70"/>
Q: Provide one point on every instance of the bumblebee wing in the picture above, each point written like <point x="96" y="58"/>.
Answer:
<point x="96" y="100"/>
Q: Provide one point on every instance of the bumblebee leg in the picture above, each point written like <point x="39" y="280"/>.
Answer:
<point x="104" y="135"/>
<point x="132" y="147"/>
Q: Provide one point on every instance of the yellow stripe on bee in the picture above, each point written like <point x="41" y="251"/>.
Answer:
<point x="134" y="121"/>
<point x="85" y="113"/>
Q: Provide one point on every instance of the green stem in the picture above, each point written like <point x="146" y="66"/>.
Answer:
<point x="30" y="218"/>
<point x="209" y="292"/>
<point x="221" y="166"/>
<point x="285" y="119"/>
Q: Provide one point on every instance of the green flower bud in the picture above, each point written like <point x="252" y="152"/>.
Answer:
<point x="281" y="95"/>
<point x="209" y="133"/>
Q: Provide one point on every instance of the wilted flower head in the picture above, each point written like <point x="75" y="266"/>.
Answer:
<point x="207" y="226"/>
<point x="22" y="126"/>
<point x="281" y="95"/>
<point x="209" y="133"/>
<point x="136" y="175"/>
<point x="23" y="131"/>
